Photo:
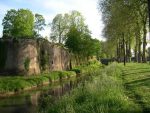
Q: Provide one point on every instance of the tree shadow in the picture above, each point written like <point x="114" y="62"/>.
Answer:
<point x="140" y="82"/>
<point x="138" y="72"/>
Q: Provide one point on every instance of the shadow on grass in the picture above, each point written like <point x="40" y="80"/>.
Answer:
<point x="143" y="82"/>
<point x="139" y="68"/>
<point x="138" y="72"/>
<point x="130" y="86"/>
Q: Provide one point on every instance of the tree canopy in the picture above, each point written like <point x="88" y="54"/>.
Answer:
<point x="18" y="23"/>
<point x="22" y="23"/>
<point x="62" y="23"/>
<point x="125" y="27"/>
<point x="39" y="24"/>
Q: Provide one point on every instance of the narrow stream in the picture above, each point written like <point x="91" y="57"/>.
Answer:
<point x="31" y="101"/>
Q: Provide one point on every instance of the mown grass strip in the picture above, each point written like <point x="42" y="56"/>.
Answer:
<point x="137" y="83"/>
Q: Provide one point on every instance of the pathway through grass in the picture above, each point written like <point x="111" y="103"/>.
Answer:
<point x="136" y="78"/>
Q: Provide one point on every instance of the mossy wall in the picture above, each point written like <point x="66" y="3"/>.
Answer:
<point x="43" y="56"/>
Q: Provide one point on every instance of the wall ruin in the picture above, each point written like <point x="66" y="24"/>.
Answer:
<point x="43" y="56"/>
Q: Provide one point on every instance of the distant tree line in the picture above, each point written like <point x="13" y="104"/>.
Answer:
<point x="126" y="26"/>
<point x="68" y="29"/>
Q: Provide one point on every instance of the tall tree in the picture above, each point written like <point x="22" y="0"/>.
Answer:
<point x="8" y="21"/>
<point x="18" y="23"/>
<point x="39" y="23"/>
<point x="58" y="26"/>
<point x="61" y="25"/>
<point x="127" y="18"/>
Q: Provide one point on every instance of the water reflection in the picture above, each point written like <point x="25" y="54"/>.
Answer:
<point x="29" y="102"/>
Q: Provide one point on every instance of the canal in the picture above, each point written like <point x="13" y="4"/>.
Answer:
<point x="33" y="100"/>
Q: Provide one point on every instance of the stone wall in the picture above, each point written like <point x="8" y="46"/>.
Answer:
<point x="43" y="55"/>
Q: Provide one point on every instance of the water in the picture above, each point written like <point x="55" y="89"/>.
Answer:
<point x="31" y="101"/>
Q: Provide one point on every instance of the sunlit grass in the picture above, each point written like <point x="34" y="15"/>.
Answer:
<point x="18" y="83"/>
<point x="137" y="81"/>
<point x="104" y="94"/>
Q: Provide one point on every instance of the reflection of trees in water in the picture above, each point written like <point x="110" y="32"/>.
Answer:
<point x="48" y="98"/>
<point x="34" y="98"/>
<point x="34" y="101"/>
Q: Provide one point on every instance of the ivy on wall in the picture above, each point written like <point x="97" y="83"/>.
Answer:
<point x="27" y="63"/>
<point x="44" y="59"/>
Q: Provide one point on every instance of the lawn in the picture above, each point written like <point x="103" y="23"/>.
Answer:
<point x="136" y="78"/>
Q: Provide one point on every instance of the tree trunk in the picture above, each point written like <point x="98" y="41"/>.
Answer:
<point x="124" y="52"/>
<point x="130" y="55"/>
<point x="136" y="49"/>
<point x="144" y="43"/>
<point x="139" y="51"/>
<point x="118" y="50"/>
<point x="149" y="13"/>
<point x="127" y="51"/>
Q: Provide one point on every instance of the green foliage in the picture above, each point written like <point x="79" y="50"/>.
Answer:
<point x="104" y="94"/>
<point x="137" y="81"/>
<point x="124" y="21"/>
<point x="44" y="59"/>
<point x="39" y="24"/>
<point x="88" y="68"/>
<point x="18" y="23"/>
<point x="77" y="70"/>
<point x="73" y="40"/>
<point x="7" y="23"/>
<point x="27" y="63"/>
<point x="18" y="83"/>
<point x="58" y="28"/>
<point x="61" y="24"/>
<point x="82" y="44"/>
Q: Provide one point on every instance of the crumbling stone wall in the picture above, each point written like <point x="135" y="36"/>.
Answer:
<point x="43" y="56"/>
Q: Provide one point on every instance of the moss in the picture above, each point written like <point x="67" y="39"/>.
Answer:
<point x="26" y="64"/>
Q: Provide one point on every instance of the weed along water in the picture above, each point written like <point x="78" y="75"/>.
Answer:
<point x="31" y="101"/>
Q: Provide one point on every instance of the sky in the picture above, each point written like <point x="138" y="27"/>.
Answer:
<point x="50" y="8"/>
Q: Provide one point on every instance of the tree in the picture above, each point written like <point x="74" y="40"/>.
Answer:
<point x="73" y="40"/>
<point x="81" y="44"/>
<point x="8" y="23"/>
<point x="125" y="26"/>
<point x="39" y="23"/>
<point x="58" y="26"/>
<point x="18" y="23"/>
<point x="61" y="25"/>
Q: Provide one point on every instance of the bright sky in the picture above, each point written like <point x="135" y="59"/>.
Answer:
<point x="49" y="8"/>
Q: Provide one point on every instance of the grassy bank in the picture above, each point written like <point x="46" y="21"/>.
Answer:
<point x="136" y="78"/>
<point x="18" y="83"/>
<point x="12" y="84"/>
<point x="105" y="94"/>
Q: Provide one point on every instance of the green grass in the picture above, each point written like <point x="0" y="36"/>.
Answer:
<point x="137" y="82"/>
<point x="88" y="68"/>
<point x="104" y="94"/>
<point x="18" y="83"/>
